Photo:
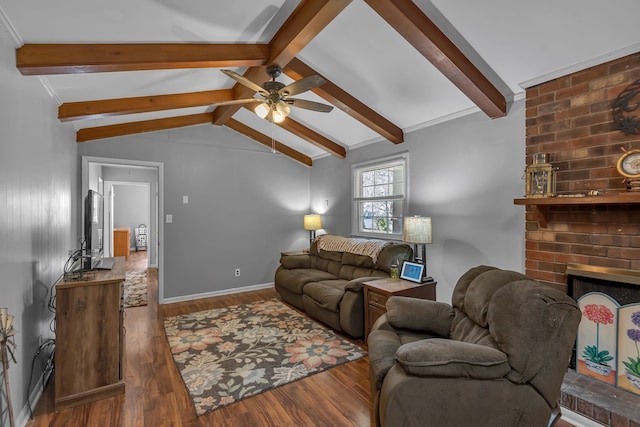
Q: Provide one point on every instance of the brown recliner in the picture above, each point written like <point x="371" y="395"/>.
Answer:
<point x="496" y="357"/>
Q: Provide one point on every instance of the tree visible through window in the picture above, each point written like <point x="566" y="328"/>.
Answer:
<point x="380" y="197"/>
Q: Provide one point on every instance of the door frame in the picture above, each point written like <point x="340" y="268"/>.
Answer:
<point x="86" y="160"/>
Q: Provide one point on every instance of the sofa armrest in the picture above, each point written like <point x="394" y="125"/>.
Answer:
<point x="295" y="261"/>
<point x="437" y="357"/>
<point x="355" y="285"/>
<point x="420" y="315"/>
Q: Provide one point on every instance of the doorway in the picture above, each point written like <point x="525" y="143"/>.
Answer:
<point x="102" y="174"/>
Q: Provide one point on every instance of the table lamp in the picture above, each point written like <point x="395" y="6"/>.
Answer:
<point x="312" y="223"/>
<point x="417" y="230"/>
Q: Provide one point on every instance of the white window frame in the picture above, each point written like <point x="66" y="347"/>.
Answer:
<point x="401" y="159"/>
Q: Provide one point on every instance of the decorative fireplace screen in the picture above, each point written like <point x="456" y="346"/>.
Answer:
<point x="608" y="341"/>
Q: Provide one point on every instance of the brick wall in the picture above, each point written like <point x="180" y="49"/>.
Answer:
<point x="571" y="119"/>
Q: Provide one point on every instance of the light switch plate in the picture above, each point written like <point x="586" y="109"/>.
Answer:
<point x="185" y="200"/>
<point x="169" y="218"/>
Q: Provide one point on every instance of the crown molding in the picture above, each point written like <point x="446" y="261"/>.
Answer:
<point x="11" y="31"/>
<point x="579" y="66"/>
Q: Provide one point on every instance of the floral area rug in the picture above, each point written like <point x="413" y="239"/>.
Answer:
<point x="135" y="289"/>
<point x="228" y="354"/>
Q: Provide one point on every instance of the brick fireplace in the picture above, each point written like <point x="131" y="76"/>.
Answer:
<point x="570" y="118"/>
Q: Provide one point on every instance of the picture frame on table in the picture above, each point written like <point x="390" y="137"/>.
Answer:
<point x="412" y="271"/>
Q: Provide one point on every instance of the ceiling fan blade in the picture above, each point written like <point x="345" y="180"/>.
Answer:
<point x="309" y="105"/>
<point x="237" y="101"/>
<point x="302" y="85"/>
<point x="244" y="81"/>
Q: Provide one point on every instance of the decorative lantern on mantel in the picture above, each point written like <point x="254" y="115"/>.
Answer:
<point x="540" y="178"/>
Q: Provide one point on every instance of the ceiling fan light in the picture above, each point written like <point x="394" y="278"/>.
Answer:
<point x="262" y="110"/>
<point x="283" y="109"/>
<point x="277" y="117"/>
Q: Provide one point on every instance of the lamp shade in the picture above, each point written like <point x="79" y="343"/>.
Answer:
<point x="417" y="229"/>
<point x="312" y="222"/>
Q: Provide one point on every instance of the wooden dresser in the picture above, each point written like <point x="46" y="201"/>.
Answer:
<point x="121" y="242"/>
<point x="377" y="292"/>
<point x="90" y="342"/>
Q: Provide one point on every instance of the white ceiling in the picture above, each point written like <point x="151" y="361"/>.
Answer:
<point x="514" y="43"/>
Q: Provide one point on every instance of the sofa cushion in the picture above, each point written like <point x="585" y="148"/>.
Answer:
<point x="357" y="260"/>
<point x="295" y="280"/>
<point x="324" y="264"/>
<point x="326" y="293"/>
<point x="440" y="357"/>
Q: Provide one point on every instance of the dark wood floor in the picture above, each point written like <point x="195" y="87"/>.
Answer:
<point x="156" y="396"/>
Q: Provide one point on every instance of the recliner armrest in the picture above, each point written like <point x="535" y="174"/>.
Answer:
<point x="383" y="345"/>
<point x="420" y="315"/>
<point x="437" y="357"/>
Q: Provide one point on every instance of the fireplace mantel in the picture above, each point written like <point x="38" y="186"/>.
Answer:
<point x="542" y="204"/>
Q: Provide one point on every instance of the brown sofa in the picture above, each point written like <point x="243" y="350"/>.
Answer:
<point x="327" y="284"/>
<point x="495" y="357"/>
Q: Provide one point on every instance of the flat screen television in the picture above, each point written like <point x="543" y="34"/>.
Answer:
<point x="93" y="230"/>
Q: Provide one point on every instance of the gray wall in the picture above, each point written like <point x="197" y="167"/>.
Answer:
<point x="245" y="205"/>
<point x="464" y="174"/>
<point x="39" y="203"/>
<point x="131" y="208"/>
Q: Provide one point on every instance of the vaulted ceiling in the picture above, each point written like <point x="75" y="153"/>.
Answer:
<point x="119" y="67"/>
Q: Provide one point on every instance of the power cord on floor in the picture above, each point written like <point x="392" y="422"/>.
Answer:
<point x="47" y="366"/>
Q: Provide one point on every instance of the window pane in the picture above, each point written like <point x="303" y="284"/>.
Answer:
<point x="368" y="192"/>
<point x="382" y="176"/>
<point x="383" y="215"/>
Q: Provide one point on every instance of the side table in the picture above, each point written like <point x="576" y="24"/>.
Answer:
<point x="377" y="292"/>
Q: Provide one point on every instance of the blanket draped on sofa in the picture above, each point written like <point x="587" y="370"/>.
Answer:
<point x="366" y="247"/>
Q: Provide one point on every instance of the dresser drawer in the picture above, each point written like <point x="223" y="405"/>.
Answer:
<point x="377" y="299"/>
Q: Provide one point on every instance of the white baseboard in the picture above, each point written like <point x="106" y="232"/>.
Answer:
<point x="218" y="293"/>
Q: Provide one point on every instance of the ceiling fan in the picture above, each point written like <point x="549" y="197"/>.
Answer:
<point x="274" y="98"/>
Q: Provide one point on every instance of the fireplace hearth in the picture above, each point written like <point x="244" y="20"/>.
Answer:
<point x="610" y="302"/>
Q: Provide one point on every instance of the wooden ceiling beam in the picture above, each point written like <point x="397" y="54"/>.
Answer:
<point x="109" y="131"/>
<point x="42" y="59"/>
<point x="144" y="104"/>
<point x="408" y="20"/>
<point x="312" y="137"/>
<point x="296" y="69"/>
<point x="306" y="21"/>
<point x="304" y="24"/>
<point x="268" y="142"/>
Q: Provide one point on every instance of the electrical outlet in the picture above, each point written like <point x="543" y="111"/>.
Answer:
<point x="237" y="272"/>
